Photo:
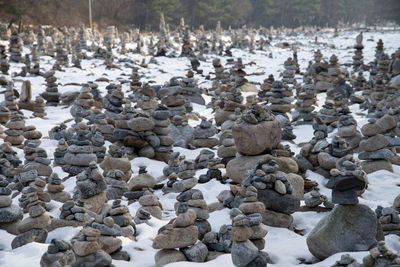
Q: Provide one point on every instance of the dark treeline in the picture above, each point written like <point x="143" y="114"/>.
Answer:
<point x="145" y="14"/>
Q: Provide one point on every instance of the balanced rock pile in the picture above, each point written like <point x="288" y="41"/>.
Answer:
<point x="150" y="204"/>
<point x="162" y="142"/>
<point x="203" y="134"/>
<point x="80" y="154"/>
<point x="59" y="253"/>
<point x="34" y="227"/>
<point x="374" y="152"/>
<point x="90" y="188"/>
<point x="52" y="96"/>
<point x="274" y="190"/>
<point x="122" y="217"/>
<point x="389" y="219"/>
<point x="10" y="214"/>
<point x="55" y="189"/>
<point x="347" y="129"/>
<point x="356" y="222"/>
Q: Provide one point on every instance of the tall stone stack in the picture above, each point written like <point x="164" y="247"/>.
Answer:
<point x="61" y="54"/>
<point x="334" y="70"/>
<point x="40" y="40"/>
<point x="280" y="97"/>
<point x="377" y="93"/>
<point x="378" y="50"/>
<point x="117" y="160"/>
<point x="347" y="129"/>
<point x="11" y="164"/>
<point x="83" y="104"/>
<point x="4" y="32"/>
<point x="162" y="129"/>
<point x="98" y="146"/>
<point x="114" y="101"/>
<point x="190" y="90"/>
<point x="80" y="153"/>
<point x="227" y="149"/>
<point x="10" y="99"/>
<point x="10" y="214"/>
<point x="374" y="149"/>
<point x="15" y="47"/>
<point x="34" y="227"/>
<point x="304" y="105"/>
<point x="51" y="95"/>
<point x="39" y="107"/>
<point x="172" y="97"/>
<point x="4" y="65"/>
<point x="186" y="46"/>
<point x="135" y="79"/>
<point x="358" y="59"/>
<point x="383" y="64"/>
<point x="60" y="152"/>
<point x="145" y="97"/>
<point x="82" y="38"/>
<point x="265" y="88"/>
<point x="358" y="223"/>
<point x="116" y="184"/>
<point x="14" y="132"/>
<point x="90" y="187"/>
<point x="360" y="83"/>
<point x="289" y="72"/>
<point x="248" y="234"/>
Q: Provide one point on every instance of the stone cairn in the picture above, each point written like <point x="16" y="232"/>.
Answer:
<point x="60" y="152"/>
<point x="314" y="198"/>
<point x="10" y="99"/>
<point x="10" y="214"/>
<point x="15" y="47"/>
<point x="114" y="101"/>
<point x="59" y="253"/>
<point x="36" y="158"/>
<point x="139" y="184"/>
<point x="179" y="233"/>
<point x="389" y="219"/>
<point x="203" y="134"/>
<point x="34" y="227"/>
<point x="160" y="117"/>
<point x="172" y="97"/>
<point x="374" y="149"/>
<point x="274" y="190"/>
<point x="347" y="181"/>
<point x="122" y="217"/>
<point x="181" y="131"/>
<point x="265" y="88"/>
<point x="4" y="32"/>
<point x="90" y="187"/>
<point x="14" y="132"/>
<point x="73" y="213"/>
<point x="227" y="149"/>
<point x="347" y="129"/>
<point x="32" y="136"/>
<point x="334" y="70"/>
<point x="305" y="103"/>
<point x="39" y="108"/>
<point x="186" y="173"/>
<point x="83" y="104"/>
<point x="358" y="59"/>
<point x="151" y="206"/>
<point x="117" y="186"/>
<point x="80" y="154"/>
<point x="4" y="65"/>
<point x="329" y="156"/>
<point x="10" y="162"/>
<point x="98" y="146"/>
<point x="248" y="232"/>
<point x="381" y="255"/>
<point x="51" y="95"/>
<point x="280" y="97"/>
<point x="289" y="72"/>
<point x="87" y="248"/>
<point x="117" y="160"/>
<point x="55" y="189"/>
<point x="4" y="114"/>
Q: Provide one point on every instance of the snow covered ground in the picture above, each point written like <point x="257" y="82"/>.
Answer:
<point x="285" y="247"/>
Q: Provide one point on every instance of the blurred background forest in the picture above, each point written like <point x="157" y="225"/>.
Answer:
<point x="145" y="14"/>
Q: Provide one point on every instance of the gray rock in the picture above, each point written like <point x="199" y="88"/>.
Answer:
<point x="345" y="228"/>
<point x="166" y="256"/>
<point x="243" y="253"/>
<point x="196" y="253"/>
<point x="33" y="235"/>
<point x="9" y="214"/>
<point x="379" y="154"/>
<point x="98" y="259"/>
<point x="279" y="203"/>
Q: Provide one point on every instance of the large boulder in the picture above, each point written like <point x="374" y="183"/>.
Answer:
<point x="254" y="139"/>
<point x="345" y="228"/>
